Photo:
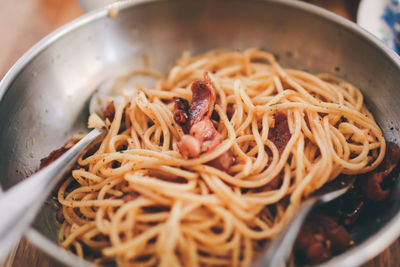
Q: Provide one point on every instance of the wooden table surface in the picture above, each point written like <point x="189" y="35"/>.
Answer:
<point x="24" y="22"/>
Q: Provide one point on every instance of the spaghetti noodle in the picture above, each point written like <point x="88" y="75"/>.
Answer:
<point x="137" y="200"/>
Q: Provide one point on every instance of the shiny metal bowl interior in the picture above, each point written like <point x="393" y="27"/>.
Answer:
<point x="44" y="96"/>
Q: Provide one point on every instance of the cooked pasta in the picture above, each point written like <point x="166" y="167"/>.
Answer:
<point x="136" y="198"/>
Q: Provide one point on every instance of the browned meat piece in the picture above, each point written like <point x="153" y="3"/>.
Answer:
<point x="189" y="146"/>
<point x="202" y="135"/>
<point x="280" y="134"/>
<point x="57" y="153"/>
<point x="203" y="100"/>
<point x="205" y="132"/>
<point x="339" y="238"/>
<point x="60" y="216"/>
<point x="317" y="252"/>
<point x="392" y="157"/>
<point x="320" y="238"/>
<point x="372" y="186"/>
<point x="52" y="157"/>
<point x="109" y="112"/>
<point x="223" y="162"/>
<point x="273" y="185"/>
<point x="130" y="196"/>
<point x="202" y="138"/>
<point x="202" y="106"/>
<point x="181" y="112"/>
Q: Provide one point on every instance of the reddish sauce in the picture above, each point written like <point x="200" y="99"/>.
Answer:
<point x="109" y="112"/>
<point x="326" y="232"/>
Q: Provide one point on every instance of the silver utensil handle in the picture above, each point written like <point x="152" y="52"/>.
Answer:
<point x="20" y="204"/>
<point x="280" y="249"/>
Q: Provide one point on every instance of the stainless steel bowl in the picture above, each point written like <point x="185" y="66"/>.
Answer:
<point x="44" y="95"/>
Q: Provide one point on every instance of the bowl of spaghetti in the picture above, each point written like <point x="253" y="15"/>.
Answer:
<point x="221" y="118"/>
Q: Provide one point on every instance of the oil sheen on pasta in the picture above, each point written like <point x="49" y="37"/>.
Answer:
<point x="137" y="200"/>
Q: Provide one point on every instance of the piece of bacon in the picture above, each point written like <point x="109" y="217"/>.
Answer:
<point x="189" y="146"/>
<point x="52" y="157"/>
<point x="280" y="136"/>
<point x="391" y="159"/>
<point x="321" y="237"/>
<point x="280" y="133"/>
<point x="205" y="132"/>
<point x="223" y="162"/>
<point x="203" y="100"/>
<point x="202" y="135"/>
<point x="372" y="186"/>
<point x="181" y="112"/>
<point x="109" y="112"/>
<point x="57" y="153"/>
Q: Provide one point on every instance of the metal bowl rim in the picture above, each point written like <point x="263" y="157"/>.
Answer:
<point x="352" y="257"/>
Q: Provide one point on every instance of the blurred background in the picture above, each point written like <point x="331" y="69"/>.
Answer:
<point x="25" y="22"/>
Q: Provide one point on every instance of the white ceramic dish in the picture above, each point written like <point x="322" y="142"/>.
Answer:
<point x="376" y="17"/>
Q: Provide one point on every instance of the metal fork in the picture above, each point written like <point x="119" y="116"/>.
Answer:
<point x="20" y="204"/>
<point x="280" y="249"/>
